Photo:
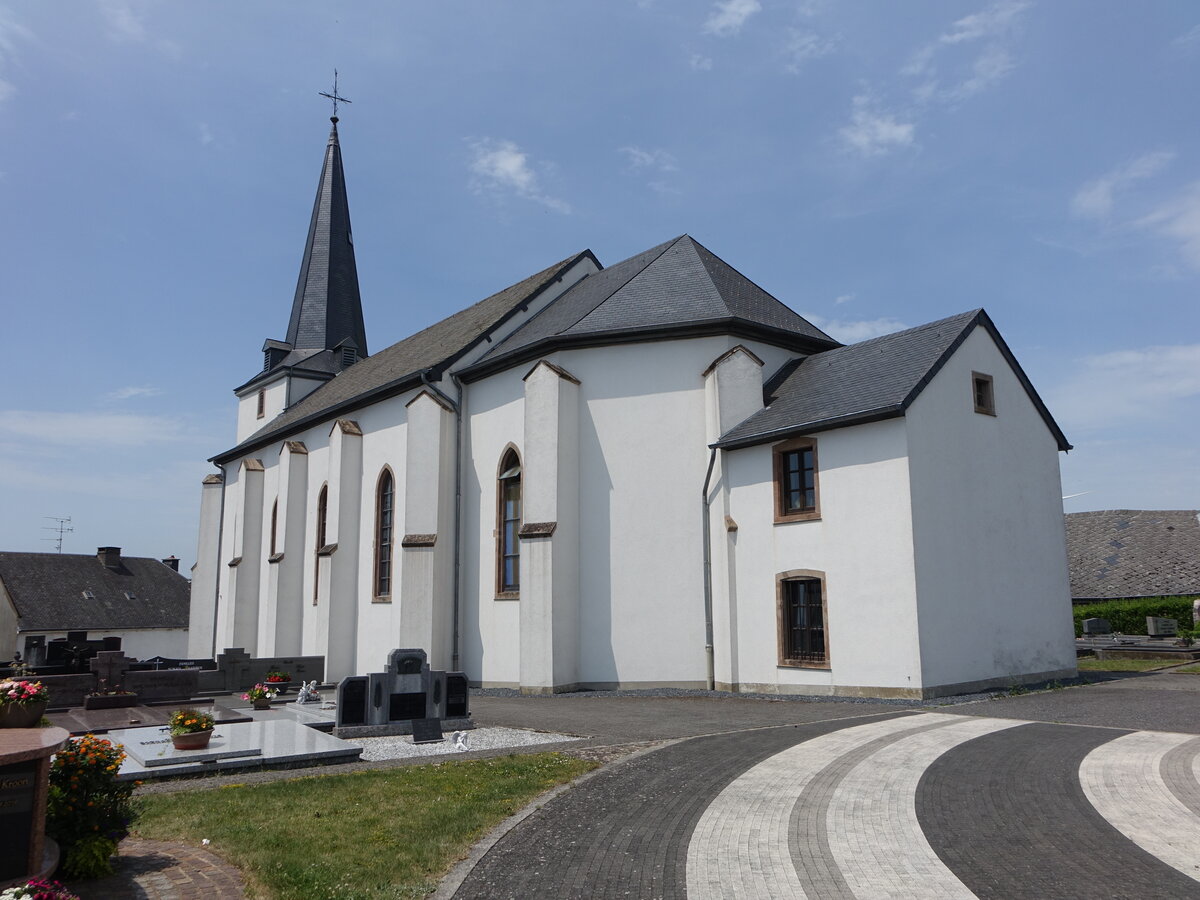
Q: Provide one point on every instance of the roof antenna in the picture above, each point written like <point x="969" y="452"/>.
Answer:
<point x="334" y="97"/>
<point x="62" y="526"/>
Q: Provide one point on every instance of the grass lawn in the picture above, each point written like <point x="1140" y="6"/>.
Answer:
<point x="1124" y="665"/>
<point x="361" y="836"/>
<point x="1190" y="670"/>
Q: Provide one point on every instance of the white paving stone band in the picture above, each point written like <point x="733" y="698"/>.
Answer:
<point x="1124" y="781"/>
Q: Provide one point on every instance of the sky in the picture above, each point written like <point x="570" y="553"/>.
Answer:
<point x="874" y="165"/>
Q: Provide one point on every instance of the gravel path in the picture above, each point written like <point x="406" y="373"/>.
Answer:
<point x="401" y="746"/>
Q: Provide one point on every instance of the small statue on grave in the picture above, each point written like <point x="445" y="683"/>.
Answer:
<point x="460" y="741"/>
<point x="308" y="692"/>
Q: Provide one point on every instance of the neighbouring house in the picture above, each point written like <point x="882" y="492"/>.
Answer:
<point x="71" y="598"/>
<point x="1118" y="553"/>
<point x="648" y="474"/>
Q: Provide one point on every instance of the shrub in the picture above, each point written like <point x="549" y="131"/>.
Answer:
<point x="1129" y="616"/>
<point x="88" y="811"/>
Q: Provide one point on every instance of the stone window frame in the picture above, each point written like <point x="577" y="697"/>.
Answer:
<point x="505" y="591"/>
<point x="778" y="452"/>
<point x="379" y="544"/>
<point x="983" y="393"/>
<point x="786" y="660"/>
<point x="262" y="403"/>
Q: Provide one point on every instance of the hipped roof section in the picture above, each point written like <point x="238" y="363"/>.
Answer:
<point x="866" y="382"/>
<point x="677" y="289"/>
<point x="400" y="366"/>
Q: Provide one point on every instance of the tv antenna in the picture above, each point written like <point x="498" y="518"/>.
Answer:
<point x="61" y="526"/>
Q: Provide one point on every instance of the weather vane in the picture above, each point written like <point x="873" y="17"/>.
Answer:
<point x="334" y="96"/>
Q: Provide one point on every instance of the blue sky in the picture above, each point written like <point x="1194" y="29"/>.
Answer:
<point x="873" y="165"/>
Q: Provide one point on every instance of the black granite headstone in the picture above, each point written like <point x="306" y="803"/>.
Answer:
<point x="456" y="695"/>
<point x="427" y="731"/>
<point x="17" y="784"/>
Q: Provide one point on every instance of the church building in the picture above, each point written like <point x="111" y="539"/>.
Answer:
<point x="648" y="474"/>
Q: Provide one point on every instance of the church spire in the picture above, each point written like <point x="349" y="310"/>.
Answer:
<point x="327" y="309"/>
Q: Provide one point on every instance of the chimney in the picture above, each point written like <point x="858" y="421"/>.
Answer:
<point x="172" y="563"/>
<point x="110" y="557"/>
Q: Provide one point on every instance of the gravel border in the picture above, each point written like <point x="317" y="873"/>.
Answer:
<point x="400" y="746"/>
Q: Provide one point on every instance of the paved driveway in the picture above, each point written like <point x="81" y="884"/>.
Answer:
<point x="1082" y="793"/>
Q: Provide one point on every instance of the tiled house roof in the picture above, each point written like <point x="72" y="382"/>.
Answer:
<point x="1133" y="553"/>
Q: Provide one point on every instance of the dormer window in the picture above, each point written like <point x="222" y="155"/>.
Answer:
<point x="88" y="595"/>
<point x="130" y="595"/>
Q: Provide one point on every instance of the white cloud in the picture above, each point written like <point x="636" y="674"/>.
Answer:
<point x="851" y="331"/>
<point x="1094" y="200"/>
<point x="1111" y="390"/>
<point x="990" y="67"/>
<point x="802" y="46"/>
<point x="128" y="393"/>
<point x="873" y="133"/>
<point x="701" y="63"/>
<point x="1188" y="37"/>
<point x="85" y="429"/>
<point x="1179" y="220"/>
<point x="12" y="33"/>
<point x="206" y="135"/>
<point x="123" y="23"/>
<point x="659" y="160"/>
<point x="728" y="17"/>
<point x="844" y="298"/>
<point x="991" y="22"/>
<point x="500" y="167"/>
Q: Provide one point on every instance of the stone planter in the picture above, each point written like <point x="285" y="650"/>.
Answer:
<point x="280" y="686"/>
<point x="110" y="701"/>
<point x="197" y="740"/>
<point x="16" y="715"/>
<point x="261" y="703"/>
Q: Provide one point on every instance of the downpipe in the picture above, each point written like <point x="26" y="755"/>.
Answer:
<point x="709" y="663"/>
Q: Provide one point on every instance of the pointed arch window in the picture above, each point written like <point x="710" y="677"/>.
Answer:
<point x="274" y="528"/>
<point x="322" y="521"/>
<point x="508" y="524"/>
<point x="385" y="502"/>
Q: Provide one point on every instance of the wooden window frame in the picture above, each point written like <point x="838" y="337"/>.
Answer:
<point x="262" y="403"/>
<point x="377" y="576"/>
<point x="988" y="406"/>
<point x="781" y="620"/>
<point x="320" y="530"/>
<point x="778" y="452"/>
<point x="503" y="590"/>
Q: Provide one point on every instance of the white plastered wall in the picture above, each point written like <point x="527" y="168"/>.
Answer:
<point x="988" y="529"/>
<point x="862" y="542"/>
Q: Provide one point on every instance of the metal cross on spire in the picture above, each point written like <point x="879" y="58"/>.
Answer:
<point x="334" y="96"/>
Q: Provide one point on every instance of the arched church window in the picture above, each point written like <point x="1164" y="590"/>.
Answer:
<point x="385" y="498"/>
<point x="275" y="527"/>
<point x="322" y="519"/>
<point x="508" y="515"/>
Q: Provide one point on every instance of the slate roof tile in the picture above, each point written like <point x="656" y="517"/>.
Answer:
<point x="47" y="591"/>
<point x="1133" y="553"/>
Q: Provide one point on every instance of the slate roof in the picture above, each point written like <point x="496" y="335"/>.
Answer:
<point x="47" y="591"/>
<point x="327" y="308"/>
<point x="865" y="382"/>
<point x="672" y="290"/>
<point x="1133" y="553"/>
<point x="399" y="367"/>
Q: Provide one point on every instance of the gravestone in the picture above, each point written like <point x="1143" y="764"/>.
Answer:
<point x="1097" y="626"/>
<point x="163" y="684"/>
<point x="18" y="786"/>
<point x="1161" y="627"/>
<point x="427" y="731"/>
<point x="393" y="701"/>
<point x="109" y="667"/>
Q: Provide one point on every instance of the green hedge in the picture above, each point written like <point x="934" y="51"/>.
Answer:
<point x="1129" y="616"/>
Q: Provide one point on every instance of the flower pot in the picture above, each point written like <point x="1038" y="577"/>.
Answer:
<point x="17" y="715"/>
<point x="197" y="740"/>
<point x="280" y="686"/>
<point x="261" y="703"/>
<point x="110" y="701"/>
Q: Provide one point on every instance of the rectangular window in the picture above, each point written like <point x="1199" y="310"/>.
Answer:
<point x="802" y="638"/>
<point x="262" y="402"/>
<point x="796" y="494"/>
<point x="981" y="386"/>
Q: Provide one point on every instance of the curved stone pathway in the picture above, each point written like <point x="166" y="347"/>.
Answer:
<point x="905" y="805"/>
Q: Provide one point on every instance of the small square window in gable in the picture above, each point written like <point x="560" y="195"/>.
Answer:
<point x="982" y="390"/>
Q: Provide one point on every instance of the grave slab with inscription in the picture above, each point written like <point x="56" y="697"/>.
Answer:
<point x="408" y="691"/>
<point x="25" y="753"/>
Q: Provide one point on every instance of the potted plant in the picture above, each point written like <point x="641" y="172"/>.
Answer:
<point x="22" y="703"/>
<point x="108" y="696"/>
<point x="38" y="890"/>
<point x="260" y="696"/>
<point x="191" y="729"/>
<point x="279" y="680"/>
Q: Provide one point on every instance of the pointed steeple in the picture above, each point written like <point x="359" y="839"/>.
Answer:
<point x="327" y="309"/>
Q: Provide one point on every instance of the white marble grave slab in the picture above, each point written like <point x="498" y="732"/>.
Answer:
<point x="282" y="742"/>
